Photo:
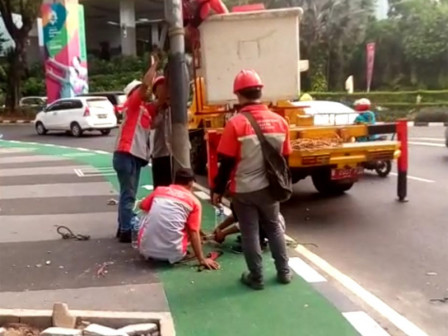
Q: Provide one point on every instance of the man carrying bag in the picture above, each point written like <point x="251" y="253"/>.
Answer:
<point x="253" y="152"/>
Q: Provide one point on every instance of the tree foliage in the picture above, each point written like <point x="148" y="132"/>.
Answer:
<point x="28" y="10"/>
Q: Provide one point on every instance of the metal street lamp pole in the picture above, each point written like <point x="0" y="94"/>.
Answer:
<point x="179" y="85"/>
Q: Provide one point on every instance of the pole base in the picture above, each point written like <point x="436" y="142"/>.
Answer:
<point x="402" y="200"/>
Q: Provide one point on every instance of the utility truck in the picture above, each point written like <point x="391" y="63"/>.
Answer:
<point x="268" y="42"/>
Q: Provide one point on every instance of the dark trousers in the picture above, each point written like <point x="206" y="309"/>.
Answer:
<point x="162" y="171"/>
<point x="257" y="210"/>
<point x="128" y="169"/>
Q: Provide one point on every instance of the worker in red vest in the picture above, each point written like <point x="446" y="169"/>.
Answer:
<point x="132" y="149"/>
<point x="241" y="162"/>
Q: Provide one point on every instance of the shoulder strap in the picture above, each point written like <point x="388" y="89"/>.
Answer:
<point x="256" y="127"/>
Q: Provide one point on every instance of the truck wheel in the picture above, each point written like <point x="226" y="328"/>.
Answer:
<point x="323" y="183"/>
<point x="198" y="153"/>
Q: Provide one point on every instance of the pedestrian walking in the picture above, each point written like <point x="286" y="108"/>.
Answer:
<point x="132" y="150"/>
<point x="242" y="160"/>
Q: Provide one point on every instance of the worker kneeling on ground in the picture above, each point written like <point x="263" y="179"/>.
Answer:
<point x="231" y="226"/>
<point x="172" y="220"/>
<point x="241" y="161"/>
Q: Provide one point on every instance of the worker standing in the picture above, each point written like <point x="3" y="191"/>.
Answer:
<point x="132" y="148"/>
<point x="242" y="161"/>
<point x="162" y="165"/>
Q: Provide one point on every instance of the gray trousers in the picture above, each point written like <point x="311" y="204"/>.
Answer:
<point x="254" y="210"/>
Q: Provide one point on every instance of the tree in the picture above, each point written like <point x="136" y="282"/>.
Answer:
<point x="28" y="10"/>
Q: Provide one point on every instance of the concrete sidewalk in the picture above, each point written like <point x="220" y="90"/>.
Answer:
<point x="38" y="192"/>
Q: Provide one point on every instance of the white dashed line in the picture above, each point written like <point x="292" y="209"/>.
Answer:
<point x="49" y="145"/>
<point x="364" y="324"/>
<point x="420" y="179"/>
<point x="83" y="149"/>
<point x="374" y="302"/>
<point x="77" y="154"/>
<point x="428" y="144"/>
<point x="305" y="271"/>
<point x="427" y="139"/>
<point x="101" y="152"/>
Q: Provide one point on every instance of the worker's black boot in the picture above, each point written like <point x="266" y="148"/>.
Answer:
<point x="125" y="237"/>
<point x="284" y="278"/>
<point x="250" y="281"/>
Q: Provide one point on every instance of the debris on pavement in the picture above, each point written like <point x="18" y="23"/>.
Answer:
<point x="443" y="300"/>
<point x="102" y="270"/>
<point x="66" y="233"/>
<point x="139" y="329"/>
<point x="112" y="202"/>
<point x="99" y="330"/>
<point x="19" y="329"/>
<point x="62" y="318"/>
<point x="48" y="262"/>
<point x="431" y="273"/>
<point x="38" y="265"/>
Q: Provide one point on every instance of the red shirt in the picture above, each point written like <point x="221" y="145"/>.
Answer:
<point x="170" y="212"/>
<point x="134" y="133"/>
<point x="239" y="141"/>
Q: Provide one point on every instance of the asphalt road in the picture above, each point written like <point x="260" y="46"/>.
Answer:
<point x="396" y="251"/>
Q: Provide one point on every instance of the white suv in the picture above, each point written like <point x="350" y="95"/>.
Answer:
<point x="77" y="115"/>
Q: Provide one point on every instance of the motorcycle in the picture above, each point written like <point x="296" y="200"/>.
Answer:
<point x="381" y="167"/>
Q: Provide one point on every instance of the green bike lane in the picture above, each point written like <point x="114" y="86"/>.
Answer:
<point x="215" y="303"/>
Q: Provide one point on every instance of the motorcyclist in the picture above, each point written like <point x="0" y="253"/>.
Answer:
<point x="365" y="116"/>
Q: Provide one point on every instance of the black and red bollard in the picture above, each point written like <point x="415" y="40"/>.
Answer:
<point x="402" y="136"/>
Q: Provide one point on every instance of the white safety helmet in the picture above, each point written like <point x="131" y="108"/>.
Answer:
<point x="131" y="86"/>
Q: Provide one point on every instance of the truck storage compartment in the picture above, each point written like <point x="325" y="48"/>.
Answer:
<point x="266" y="41"/>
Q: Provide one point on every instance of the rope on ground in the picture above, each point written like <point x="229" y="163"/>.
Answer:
<point x="66" y="233"/>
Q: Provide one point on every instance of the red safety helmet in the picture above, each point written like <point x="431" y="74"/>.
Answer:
<point x="362" y="105"/>
<point x="247" y="79"/>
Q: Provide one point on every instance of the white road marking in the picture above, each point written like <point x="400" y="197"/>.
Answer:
<point x="49" y="145"/>
<point x="364" y="324"/>
<point x="374" y="302"/>
<point x="101" y="152"/>
<point x="415" y="178"/>
<point x="428" y="144"/>
<point x="79" y="172"/>
<point x="428" y="139"/>
<point x="77" y="154"/>
<point x="101" y="171"/>
<point x="82" y="149"/>
<point x="305" y="271"/>
<point x="202" y="195"/>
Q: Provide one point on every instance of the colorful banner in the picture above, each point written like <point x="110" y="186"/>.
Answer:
<point x="370" y="52"/>
<point x="65" y="54"/>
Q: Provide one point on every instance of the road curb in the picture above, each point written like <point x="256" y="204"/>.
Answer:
<point x="7" y="121"/>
